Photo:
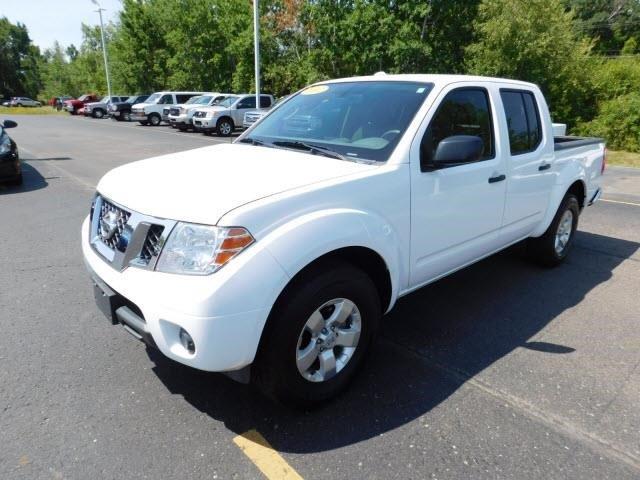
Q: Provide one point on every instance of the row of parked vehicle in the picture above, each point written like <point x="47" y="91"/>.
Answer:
<point x="206" y="112"/>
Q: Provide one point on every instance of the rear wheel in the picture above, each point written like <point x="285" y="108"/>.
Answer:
<point x="318" y="335"/>
<point x="554" y="245"/>
<point x="224" y="127"/>
<point x="154" y="119"/>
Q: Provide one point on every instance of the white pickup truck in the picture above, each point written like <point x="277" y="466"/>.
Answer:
<point x="274" y="258"/>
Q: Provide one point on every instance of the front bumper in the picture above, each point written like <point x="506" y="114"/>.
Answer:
<point x="139" y="117"/>
<point x="224" y="313"/>
<point x="180" y="120"/>
<point x="204" y="123"/>
<point x="9" y="166"/>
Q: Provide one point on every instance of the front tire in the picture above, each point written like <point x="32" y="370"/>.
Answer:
<point x="224" y="127"/>
<point x="317" y="335"/>
<point x="99" y="113"/>
<point x="154" y="119"/>
<point x="126" y="116"/>
<point x="554" y="245"/>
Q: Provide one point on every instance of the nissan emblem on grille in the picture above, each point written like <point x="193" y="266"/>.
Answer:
<point x="111" y="226"/>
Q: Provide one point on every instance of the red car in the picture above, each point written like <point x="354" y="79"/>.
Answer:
<point x="73" y="106"/>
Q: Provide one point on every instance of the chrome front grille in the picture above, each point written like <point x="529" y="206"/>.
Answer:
<point x="125" y="238"/>
<point x="111" y="225"/>
<point x="200" y="114"/>
<point x="152" y="244"/>
<point x="252" y="117"/>
<point x="174" y="111"/>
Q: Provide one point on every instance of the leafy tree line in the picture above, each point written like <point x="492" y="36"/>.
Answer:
<point x="583" y="53"/>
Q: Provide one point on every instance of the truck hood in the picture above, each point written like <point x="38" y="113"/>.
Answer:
<point x="142" y="105"/>
<point x="202" y="185"/>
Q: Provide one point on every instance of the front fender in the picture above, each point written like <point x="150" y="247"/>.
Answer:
<point x="296" y="244"/>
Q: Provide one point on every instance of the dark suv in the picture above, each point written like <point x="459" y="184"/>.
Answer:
<point x="122" y="110"/>
<point x="10" y="171"/>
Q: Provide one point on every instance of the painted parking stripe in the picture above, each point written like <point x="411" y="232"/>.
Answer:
<point x="268" y="461"/>
<point x="618" y="201"/>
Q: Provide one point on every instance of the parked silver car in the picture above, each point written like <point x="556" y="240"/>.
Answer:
<point x="24" y="102"/>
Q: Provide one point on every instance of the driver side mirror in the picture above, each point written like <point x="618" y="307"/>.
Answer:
<point x="9" y="124"/>
<point x="458" y="149"/>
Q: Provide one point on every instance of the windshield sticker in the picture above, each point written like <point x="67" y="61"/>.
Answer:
<point x="315" y="90"/>
<point x="420" y="90"/>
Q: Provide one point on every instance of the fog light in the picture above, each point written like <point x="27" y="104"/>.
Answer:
<point x="187" y="341"/>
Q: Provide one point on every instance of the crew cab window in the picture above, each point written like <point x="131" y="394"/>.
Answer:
<point x="249" y="102"/>
<point x="265" y="102"/>
<point x="464" y="111"/>
<point x="523" y="120"/>
<point x="166" y="99"/>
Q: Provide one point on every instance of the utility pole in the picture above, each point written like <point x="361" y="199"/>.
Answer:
<point x="104" y="47"/>
<point x="256" y="46"/>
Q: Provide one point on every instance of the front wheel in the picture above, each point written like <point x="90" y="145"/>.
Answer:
<point x="154" y="119"/>
<point x="554" y="245"/>
<point x="317" y="335"/>
<point x="126" y="116"/>
<point x="98" y="113"/>
<point x="224" y="127"/>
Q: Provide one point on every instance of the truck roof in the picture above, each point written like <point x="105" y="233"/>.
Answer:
<point x="437" y="79"/>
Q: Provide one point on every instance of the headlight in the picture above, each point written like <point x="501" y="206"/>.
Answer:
<point x="5" y="144"/>
<point x="200" y="249"/>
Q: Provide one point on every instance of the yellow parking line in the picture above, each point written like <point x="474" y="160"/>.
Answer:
<point x="618" y="201"/>
<point x="268" y="461"/>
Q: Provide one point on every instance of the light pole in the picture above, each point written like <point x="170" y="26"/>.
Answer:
<point x="104" y="47"/>
<point x="256" y="46"/>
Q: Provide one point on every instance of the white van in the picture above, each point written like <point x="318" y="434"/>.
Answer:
<point x="151" y="111"/>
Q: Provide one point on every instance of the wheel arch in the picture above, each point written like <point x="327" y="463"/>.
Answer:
<point x="577" y="188"/>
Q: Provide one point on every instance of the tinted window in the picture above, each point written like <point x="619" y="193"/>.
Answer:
<point x="265" y="102"/>
<point x="358" y="119"/>
<point x="166" y="99"/>
<point x="249" y="102"/>
<point x="516" y="121"/>
<point x="523" y="121"/>
<point x="182" y="97"/>
<point x="465" y="111"/>
<point x="533" y="119"/>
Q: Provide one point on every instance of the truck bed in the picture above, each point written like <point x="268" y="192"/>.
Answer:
<point x="566" y="142"/>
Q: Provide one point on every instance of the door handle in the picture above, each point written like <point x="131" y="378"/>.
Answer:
<point x="544" y="166"/>
<point x="499" y="178"/>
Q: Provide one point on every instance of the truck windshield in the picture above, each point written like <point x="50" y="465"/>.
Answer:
<point x="228" y="101"/>
<point x="153" y="98"/>
<point x="357" y="120"/>
<point x="203" y="100"/>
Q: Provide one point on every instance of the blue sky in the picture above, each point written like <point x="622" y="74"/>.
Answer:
<point x="50" y="20"/>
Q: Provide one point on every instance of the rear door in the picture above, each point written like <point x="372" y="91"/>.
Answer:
<point x="530" y="162"/>
<point x="456" y="212"/>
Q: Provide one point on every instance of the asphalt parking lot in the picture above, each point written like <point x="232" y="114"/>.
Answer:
<point x="502" y="370"/>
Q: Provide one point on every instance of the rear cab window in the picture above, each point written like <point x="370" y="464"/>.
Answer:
<point x="523" y="120"/>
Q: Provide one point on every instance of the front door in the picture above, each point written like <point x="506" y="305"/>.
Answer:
<point x="456" y="212"/>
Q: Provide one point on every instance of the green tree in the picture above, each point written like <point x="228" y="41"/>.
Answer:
<point x="534" y="40"/>
<point x="19" y="61"/>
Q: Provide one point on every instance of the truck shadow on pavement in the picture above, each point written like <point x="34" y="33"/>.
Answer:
<point x="434" y="341"/>
<point x="32" y="180"/>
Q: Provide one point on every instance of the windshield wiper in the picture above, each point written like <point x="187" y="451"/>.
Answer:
<point x="254" y="141"/>
<point x="315" y="149"/>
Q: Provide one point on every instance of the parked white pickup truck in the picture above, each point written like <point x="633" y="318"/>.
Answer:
<point x="181" y="115"/>
<point x="277" y="255"/>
